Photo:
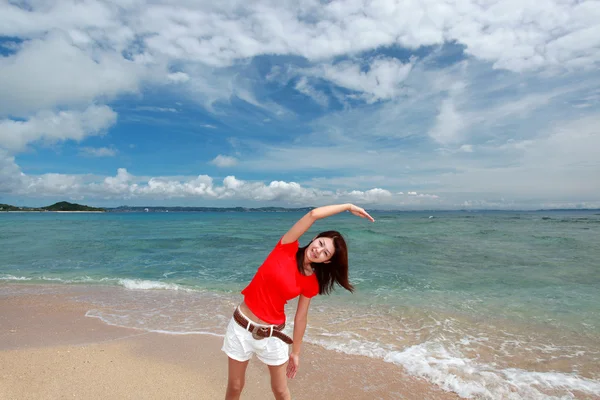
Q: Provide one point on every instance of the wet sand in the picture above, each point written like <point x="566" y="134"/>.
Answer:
<point x="50" y="350"/>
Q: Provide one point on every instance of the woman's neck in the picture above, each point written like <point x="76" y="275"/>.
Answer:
<point x="308" y="269"/>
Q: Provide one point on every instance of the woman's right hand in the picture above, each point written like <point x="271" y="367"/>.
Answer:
<point x="293" y="364"/>
<point x="360" y="212"/>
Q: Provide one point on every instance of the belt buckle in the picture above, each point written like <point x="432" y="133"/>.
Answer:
<point x="255" y="333"/>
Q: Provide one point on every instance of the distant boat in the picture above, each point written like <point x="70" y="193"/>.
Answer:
<point x="145" y="209"/>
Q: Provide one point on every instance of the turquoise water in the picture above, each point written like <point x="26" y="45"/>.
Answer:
<point x="485" y="304"/>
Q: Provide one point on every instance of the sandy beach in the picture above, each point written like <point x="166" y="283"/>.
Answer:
<point x="50" y="350"/>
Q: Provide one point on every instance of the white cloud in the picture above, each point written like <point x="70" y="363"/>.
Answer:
<point x="11" y="177"/>
<point x="515" y="193"/>
<point x="305" y="88"/>
<point x="126" y="186"/>
<point x="52" y="72"/>
<point x="224" y="161"/>
<point x="98" y="151"/>
<point x="510" y="33"/>
<point x="497" y="32"/>
<point x="39" y="18"/>
<point x="53" y="127"/>
<point x="372" y="196"/>
<point x="178" y="77"/>
<point x="81" y="45"/>
<point x="51" y="184"/>
<point x="430" y="196"/>
<point x="382" y="80"/>
<point x="449" y="124"/>
<point x="156" y="109"/>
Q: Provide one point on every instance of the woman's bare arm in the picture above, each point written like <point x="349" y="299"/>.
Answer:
<point x="300" y="322"/>
<point x="306" y="222"/>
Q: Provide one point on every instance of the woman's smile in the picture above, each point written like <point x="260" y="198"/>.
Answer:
<point x="320" y="250"/>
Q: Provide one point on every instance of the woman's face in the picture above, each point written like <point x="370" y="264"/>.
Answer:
<point x="320" y="250"/>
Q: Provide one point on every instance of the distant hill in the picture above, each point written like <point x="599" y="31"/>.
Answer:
<point x="66" y="206"/>
<point x="60" y="206"/>
<point x="8" y="207"/>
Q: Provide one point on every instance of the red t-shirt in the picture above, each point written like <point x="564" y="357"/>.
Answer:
<point x="277" y="281"/>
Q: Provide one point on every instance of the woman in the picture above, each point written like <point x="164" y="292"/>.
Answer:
<point x="288" y="272"/>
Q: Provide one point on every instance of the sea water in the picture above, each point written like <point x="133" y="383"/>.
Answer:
<point x="483" y="304"/>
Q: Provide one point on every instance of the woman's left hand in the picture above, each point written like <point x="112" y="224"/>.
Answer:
<point x="292" y="366"/>
<point x="360" y="212"/>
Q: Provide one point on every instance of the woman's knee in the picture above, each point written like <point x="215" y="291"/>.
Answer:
<point x="235" y="386"/>
<point x="236" y="378"/>
<point x="280" y="390"/>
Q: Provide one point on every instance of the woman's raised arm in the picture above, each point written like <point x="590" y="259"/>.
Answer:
<point x="306" y="222"/>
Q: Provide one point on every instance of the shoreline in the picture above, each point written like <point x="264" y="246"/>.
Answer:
<point x="50" y="349"/>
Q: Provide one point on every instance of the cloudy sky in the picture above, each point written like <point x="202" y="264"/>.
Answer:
<point x="389" y="104"/>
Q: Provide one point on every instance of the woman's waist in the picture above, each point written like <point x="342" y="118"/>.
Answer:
<point x="251" y="316"/>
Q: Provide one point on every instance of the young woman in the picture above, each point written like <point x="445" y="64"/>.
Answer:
<point x="288" y="272"/>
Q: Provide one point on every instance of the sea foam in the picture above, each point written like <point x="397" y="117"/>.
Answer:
<point x="138" y="284"/>
<point x="468" y="378"/>
<point x="13" y="278"/>
<point x="471" y="379"/>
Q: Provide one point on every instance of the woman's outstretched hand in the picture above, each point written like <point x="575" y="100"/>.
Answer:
<point x="360" y="212"/>
<point x="292" y="366"/>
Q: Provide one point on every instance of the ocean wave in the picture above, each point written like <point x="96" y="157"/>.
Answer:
<point x="13" y="278"/>
<point x="466" y="377"/>
<point x="133" y="284"/>
<point x="82" y="279"/>
<point x="98" y="315"/>
<point x="139" y="284"/>
<point x="470" y="379"/>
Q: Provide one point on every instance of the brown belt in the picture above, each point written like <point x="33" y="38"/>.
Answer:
<point x="261" y="332"/>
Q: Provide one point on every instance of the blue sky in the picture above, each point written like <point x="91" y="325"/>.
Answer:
<point x="418" y="105"/>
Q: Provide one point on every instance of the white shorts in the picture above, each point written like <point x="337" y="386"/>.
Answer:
<point x="240" y="345"/>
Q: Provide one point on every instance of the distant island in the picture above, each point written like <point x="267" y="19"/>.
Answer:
<point x="62" y="206"/>
<point x="65" y="206"/>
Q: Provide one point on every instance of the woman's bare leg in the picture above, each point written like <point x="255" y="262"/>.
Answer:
<point x="279" y="382"/>
<point x="236" y="379"/>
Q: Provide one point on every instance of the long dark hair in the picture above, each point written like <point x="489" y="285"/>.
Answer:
<point x="336" y="271"/>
